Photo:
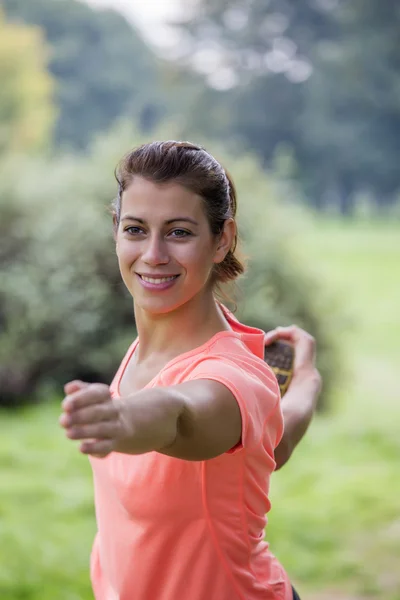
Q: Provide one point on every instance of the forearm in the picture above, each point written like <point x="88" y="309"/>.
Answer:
<point x="150" y="420"/>
<point x="298" y="406"/>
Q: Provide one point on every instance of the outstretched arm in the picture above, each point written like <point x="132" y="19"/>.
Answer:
<point x="300" y="401"/>
<point x="195" y="420"/>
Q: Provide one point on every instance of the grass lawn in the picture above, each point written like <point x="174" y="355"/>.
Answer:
<point x="335" y="522"/>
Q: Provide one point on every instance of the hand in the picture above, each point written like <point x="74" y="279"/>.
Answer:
<point x="91" y="415"/>
<point x="304" y="351"/>
<point x="300" y="401"/>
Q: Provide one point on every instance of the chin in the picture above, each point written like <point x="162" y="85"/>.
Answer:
<point x="161" y="306"/>
<point x="156" y="306"/>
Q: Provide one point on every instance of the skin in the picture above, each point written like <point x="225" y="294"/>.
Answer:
<point x="300" y="401"/>
<point x="164" y="231"/>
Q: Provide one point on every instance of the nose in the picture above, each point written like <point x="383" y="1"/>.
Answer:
<point x="155" y="251"/>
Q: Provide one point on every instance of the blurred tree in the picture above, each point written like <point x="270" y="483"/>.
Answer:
<point x="26" y="90"/>
<point x="351" y="117"/>
<point x="261" y="53"/>
<point x="102" y="67"/>
<point x="299" y="73"/>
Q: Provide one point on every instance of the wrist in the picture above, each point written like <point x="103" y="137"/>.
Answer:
<point x="307" y="377"/>
<point x="148" y="420"/>
<point x="303" y="391"/>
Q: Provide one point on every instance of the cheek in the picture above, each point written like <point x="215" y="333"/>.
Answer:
<point x="196" y="258"/>
<point x="127" y="253"/>
<point x="202" y="251"/>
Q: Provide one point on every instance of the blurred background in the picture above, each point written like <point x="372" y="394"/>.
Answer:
<point x="300" y="100"/>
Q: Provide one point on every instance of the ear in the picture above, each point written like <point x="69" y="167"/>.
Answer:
<point x="115" y="227"/>
<point x="225" y="240"/>
<point x="115" y="233"/>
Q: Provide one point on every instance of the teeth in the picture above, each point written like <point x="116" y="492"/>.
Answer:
<point x="160" y="280"/>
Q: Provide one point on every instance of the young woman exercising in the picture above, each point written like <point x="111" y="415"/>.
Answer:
<point x="185" y="440"/>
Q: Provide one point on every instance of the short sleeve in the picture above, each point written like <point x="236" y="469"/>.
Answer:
<point x="257" y="393"/>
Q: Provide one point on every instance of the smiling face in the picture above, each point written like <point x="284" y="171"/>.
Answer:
<point x="165" y="248"/>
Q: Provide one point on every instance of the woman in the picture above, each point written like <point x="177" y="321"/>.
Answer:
<point x="182" y="444"/>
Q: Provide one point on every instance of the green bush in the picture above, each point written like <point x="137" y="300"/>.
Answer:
<point x="64" y="312"/>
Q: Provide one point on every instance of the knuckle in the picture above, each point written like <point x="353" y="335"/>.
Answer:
<point x="102" y="448"/>
<point x="99" y="413"/>
<point x="76" y="433"/>
<point x="105" y="430"/>
<point x="83" y="416"/>
<point x="76" y="418"/>
<point x="100" y="389"/>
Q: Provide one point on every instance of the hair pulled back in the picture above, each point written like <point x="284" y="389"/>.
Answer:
<point x="195" y="169"/>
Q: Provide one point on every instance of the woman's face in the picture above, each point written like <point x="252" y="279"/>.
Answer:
<point x="165" y="247"/>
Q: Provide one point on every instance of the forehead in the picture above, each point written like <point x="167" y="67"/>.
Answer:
<point x="144" y="199"/>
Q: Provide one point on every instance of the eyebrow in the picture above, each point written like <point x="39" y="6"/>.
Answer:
<point x="168" y="222"/>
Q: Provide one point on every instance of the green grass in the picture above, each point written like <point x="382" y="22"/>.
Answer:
<point x="335" y="522"/>
<point x="46" y="510"/>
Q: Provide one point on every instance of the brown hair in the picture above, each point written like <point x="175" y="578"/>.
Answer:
<point x="194" y="168"/>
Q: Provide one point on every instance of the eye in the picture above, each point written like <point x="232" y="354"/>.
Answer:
<point x="180" y="233"/>
<point x="132" y="230"/>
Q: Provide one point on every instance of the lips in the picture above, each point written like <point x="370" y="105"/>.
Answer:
<point x="157" y="279"/>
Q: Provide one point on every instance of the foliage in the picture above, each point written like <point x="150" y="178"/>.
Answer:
<point x="304" y="83"/>
<point x="334" y="518"/>
<point x="63" y="308"/>
<point x="102" y="67"/>
<point x="305" y="78"/>
<point x="26" y="99"/>
<point x="60" y="297"/>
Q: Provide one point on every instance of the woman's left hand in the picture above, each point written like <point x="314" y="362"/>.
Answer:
<point x="304" y="353"/>
<point x="92" y="416"/>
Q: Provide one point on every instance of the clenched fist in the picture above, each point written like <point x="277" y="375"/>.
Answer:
<point x="91" y="415"/>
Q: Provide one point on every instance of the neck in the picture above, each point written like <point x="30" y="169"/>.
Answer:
<point x="191" y="325"/>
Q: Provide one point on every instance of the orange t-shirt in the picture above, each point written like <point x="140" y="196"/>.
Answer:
<point x="172" y="529"/>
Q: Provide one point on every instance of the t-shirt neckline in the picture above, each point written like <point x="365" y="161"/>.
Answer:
<point x="170" y="363"/>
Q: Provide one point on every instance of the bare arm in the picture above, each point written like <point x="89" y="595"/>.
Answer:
<point x="196" y="420"/>
<point x="300" y="401"/>
<point x="298" y="407"/>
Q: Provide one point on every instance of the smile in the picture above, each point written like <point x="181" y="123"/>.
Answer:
<point x="158" y="280"/>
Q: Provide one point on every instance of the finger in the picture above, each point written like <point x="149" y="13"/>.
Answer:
<point x="280" y="333"/>
<point x="305" y="352"/>
<point x="270" y="337"/>
<point x="94" y="393"/>
<point x="102" y="431"/>
<point x="292" y="333"/>
<point x="106" y="411"/>
<point x="74" y="386"/>
<point x="304" y="342"/>
<point x="97" y="448"/>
